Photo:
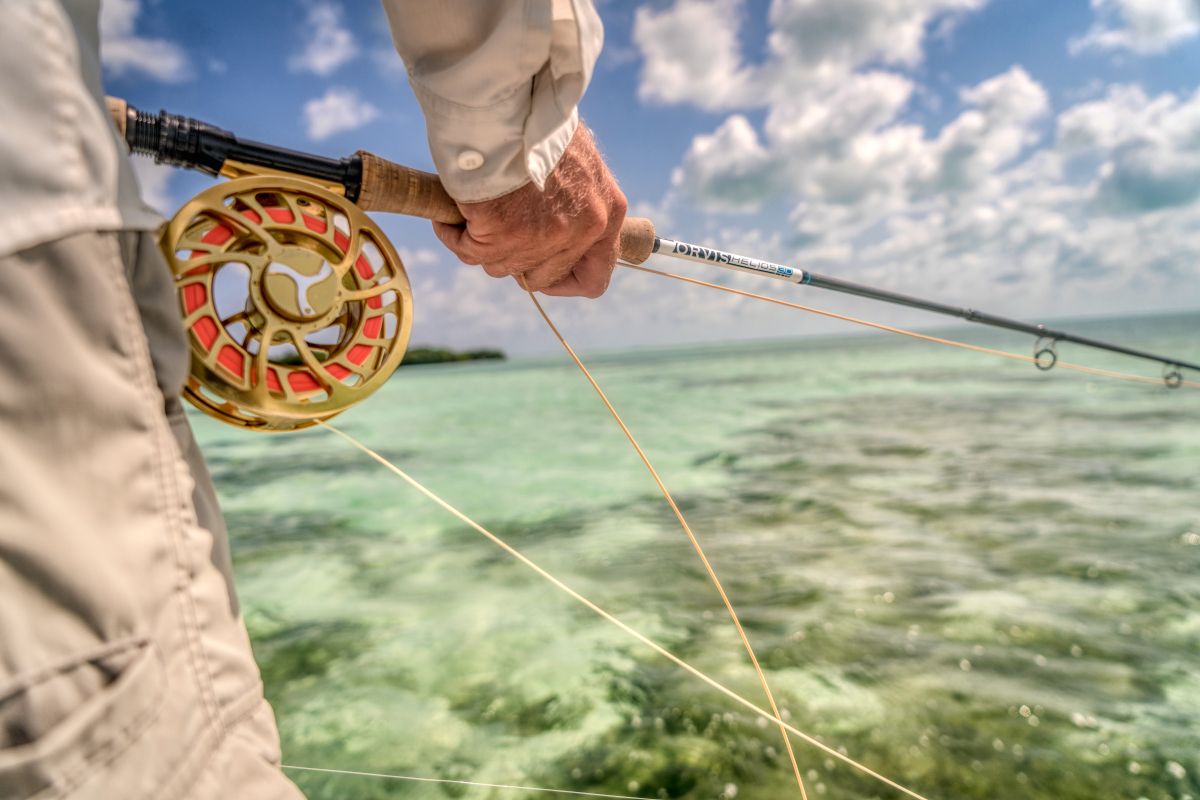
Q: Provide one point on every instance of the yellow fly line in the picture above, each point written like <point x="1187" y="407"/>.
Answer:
<point x="687" y="529"/>
<point x="609" y="617"/>
<point x="774" y="714"/>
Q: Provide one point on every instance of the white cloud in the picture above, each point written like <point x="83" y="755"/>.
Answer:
<point x="155" y="182"/>
<point x="1147" y="150"/>
<point x="471" y="309"/>
<point x="991" y="134"/>
<point x="1078" y="213"/>
<point x="843" y="143"/>
<point x="729" y="168"/>
<point x="838" y="35"/>
<point x="388" y="62"/>
<point x="1122" y="115"/>
<point x="1141" y="26"/>
<point x="838" y="140"/>
<point x="123" y="51"/>
<point x="330" y="44"/>
<point x="691" y="54"/>
<point x="337" y="111"/>
<point x="1143" y="178"/>
<point x="834" y="141"/>
<point x="825" y="117"/>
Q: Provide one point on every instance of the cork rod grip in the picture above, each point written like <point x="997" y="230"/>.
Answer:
<point x="637" y="239"/>
<point x="391" y="187"/>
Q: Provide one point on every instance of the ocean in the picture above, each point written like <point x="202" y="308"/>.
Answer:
<point x="980" y="580"/>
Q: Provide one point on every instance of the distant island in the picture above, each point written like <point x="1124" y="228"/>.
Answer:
<point x="442" y="355"/>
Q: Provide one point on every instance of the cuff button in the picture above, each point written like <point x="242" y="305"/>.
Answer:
<point x="470" y="159"/>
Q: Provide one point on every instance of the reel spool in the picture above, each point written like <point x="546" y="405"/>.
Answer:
<point x="295" y="304"/>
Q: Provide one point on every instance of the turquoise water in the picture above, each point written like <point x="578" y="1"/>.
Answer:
<point x="982" y="581"/>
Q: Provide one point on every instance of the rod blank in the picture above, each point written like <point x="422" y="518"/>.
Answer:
<point x="720" y="258"/>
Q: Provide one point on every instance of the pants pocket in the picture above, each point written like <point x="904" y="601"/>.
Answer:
<point x="66" y="719"/>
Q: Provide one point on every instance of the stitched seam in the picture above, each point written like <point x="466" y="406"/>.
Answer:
<point x="203" y="754"/>
<point x="71" y="158"/>
<point x="168" y="489"/>
<point x="251" y="697"/>
<point x="199" y="755"/>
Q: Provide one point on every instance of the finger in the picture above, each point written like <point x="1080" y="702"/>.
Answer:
<point x="517" y="256"/>
<point x="551" y="272"/>
<point x="454" y="237"/>
<point x="588" y="280"/>
<point x="524" y="264"/>
<point x="458" y="240"/>
<point x="593" y="234"/>
<point x="590" y="277"/>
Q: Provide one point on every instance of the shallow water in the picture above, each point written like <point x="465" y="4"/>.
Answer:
<point x="980" y="580"/>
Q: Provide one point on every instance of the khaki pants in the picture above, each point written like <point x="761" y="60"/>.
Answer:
<point x="125" y="669"/>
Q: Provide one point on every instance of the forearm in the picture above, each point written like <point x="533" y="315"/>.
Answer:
<point x="499" y="82"/>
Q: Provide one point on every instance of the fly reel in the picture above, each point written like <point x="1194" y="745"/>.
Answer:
<point x="295" y="304"/>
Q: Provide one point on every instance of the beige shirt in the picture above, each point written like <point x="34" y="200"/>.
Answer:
<point x="498" y="80"/>
<point x="62" y="166"/>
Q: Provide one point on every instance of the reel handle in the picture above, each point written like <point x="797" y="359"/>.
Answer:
<point x="397" y="189"/>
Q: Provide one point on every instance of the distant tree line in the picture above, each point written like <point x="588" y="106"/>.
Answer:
<point x="442" y="355"/>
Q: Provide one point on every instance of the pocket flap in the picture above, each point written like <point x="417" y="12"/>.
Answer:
<point x="93" y="733"/>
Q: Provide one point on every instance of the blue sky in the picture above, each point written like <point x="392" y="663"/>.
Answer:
<point x="1030" y="157"/>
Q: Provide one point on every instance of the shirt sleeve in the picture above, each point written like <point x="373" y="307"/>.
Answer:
<point x="499" y="82"/>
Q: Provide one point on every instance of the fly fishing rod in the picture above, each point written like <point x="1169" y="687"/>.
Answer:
<point x="323" y="308"/>
<point x="1046" y="353"/>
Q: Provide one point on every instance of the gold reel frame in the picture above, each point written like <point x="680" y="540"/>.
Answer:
<point x="317" y="268"/>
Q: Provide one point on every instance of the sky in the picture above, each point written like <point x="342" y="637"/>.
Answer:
<point x="1033" y="158"/>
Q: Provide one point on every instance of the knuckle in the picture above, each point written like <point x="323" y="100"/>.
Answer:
<point x="595" y="222"/>
<point x="559" y="227"/>
<point x="619" y="203"/>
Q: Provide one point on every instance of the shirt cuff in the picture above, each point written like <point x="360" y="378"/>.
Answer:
<point x="478" y="151"/>
<point x="484" y="153"/>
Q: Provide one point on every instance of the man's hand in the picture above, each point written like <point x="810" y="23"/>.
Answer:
<point x="562" y="241"/>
